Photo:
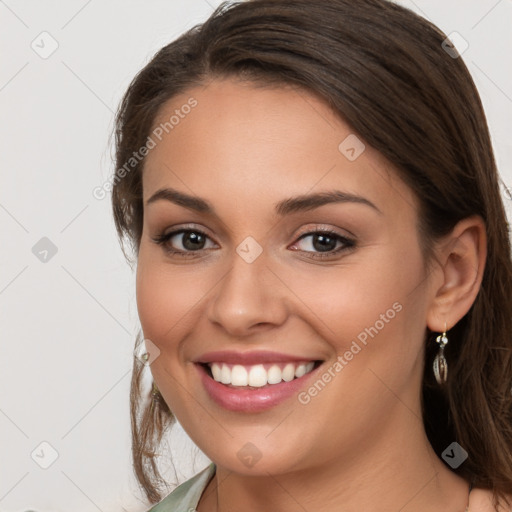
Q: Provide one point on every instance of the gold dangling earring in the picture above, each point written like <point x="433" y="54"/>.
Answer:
<point x="154" y="396"/>
<point x="440" y="363"/>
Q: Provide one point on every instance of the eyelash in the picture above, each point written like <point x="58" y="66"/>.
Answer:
<point x="163" y="238"/>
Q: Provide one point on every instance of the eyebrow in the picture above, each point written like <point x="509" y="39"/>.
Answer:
<point x="285" y="207"/>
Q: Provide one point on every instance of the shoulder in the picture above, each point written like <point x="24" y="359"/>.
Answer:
<point x="187" y="495"/>
<point x="481" y="500"/>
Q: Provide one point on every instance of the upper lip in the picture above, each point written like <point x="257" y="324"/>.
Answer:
<point x="253" y="357"/>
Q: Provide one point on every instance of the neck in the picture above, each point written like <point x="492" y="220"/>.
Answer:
<point x="398" y="470"/>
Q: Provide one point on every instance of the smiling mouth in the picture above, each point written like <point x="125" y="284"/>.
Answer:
<point x="258" y="375"/>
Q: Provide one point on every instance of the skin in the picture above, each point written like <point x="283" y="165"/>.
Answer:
<point x="360" y="443"/>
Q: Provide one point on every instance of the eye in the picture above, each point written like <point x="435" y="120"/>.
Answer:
<point x="320" y="243"/>
<point x="326" y="242"/>
<point x="191" y="240"/>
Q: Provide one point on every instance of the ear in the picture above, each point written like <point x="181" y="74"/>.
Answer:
<point x="461" y="256"/>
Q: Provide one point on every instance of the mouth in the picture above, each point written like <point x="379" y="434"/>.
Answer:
<point x="257" y="376"/>
<point x="256" y="382"/>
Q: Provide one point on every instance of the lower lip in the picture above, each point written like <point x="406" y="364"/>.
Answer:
<point x="251" y="400"/>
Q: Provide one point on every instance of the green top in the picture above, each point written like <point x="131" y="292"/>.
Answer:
<point x="186" y="496"/>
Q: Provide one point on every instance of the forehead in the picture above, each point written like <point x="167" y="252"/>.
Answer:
<point x="240" y="140"/>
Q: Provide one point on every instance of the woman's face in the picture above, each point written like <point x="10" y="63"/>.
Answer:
<point x="301" y="251"/>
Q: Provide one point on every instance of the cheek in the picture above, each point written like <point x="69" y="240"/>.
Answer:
<point x="166" y="299"/>
<point x="372" y="314"/>
<point x="349" y="298"/>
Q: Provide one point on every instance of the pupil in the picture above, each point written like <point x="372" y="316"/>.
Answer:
<point x="193" y="240"/>
<point x="325" y="243"/>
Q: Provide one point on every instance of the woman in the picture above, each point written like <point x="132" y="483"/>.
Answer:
<point x="323" y="264"/>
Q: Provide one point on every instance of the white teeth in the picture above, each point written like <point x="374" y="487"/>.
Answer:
<point x="300" y="370"/>
<point x="274" y="375"/>
<point x="238" y="375"/>
<point x="217" y="372"/>
<point x="256" y="375"/>
<point x="289" y="372"/>
<point x="225" y="376"/>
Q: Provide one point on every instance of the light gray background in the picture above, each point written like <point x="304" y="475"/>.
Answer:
<point x="68" y="324"/>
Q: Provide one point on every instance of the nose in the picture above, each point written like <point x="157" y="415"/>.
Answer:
<point x="248" y="299"/>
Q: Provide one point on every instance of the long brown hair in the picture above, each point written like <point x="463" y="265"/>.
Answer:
<point x="385" y="71"/>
